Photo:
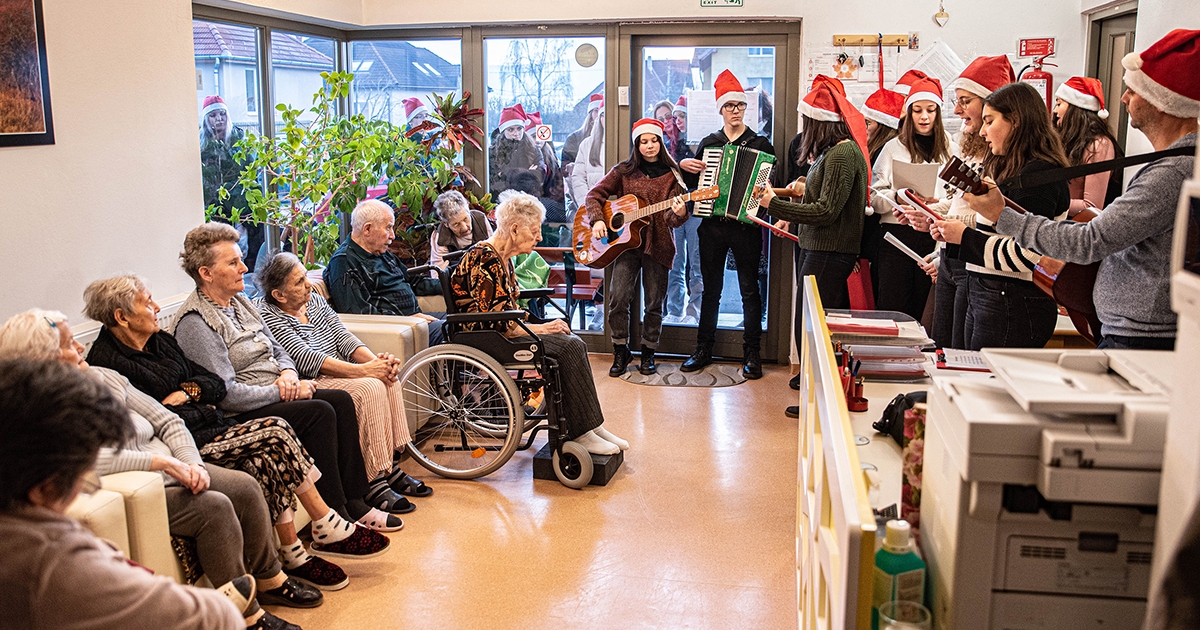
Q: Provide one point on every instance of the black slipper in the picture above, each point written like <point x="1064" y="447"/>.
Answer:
<point x="386" y="499"/>
<point x="405" y="484"/>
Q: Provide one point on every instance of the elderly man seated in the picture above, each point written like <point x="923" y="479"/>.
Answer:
<point x="460" y="227"/>
<point x="364" y="278"/>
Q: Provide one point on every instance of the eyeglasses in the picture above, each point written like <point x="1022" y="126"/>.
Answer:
<point x="965" y="102"/>
<point x="733" y="107"/>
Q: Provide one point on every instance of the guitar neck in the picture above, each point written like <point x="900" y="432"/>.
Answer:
<point x="646" y="211"/>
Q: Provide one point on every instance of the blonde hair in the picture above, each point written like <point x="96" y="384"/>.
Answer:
<point x="369" y="212"/>
<point x="103" y="297"/>
<point x="197" y="246"/>
<point x="519" y="208"/>
<point x="32" y="335"/>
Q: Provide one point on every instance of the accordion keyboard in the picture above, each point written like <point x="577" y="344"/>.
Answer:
<point x="708" y="177"/>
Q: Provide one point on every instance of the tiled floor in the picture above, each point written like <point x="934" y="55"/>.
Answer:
<point x="695" y="531"/>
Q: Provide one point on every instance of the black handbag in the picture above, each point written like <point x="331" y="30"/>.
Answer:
<point x="892" y="420"/>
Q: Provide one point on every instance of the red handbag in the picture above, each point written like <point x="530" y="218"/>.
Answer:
<point x="858" y="285"/>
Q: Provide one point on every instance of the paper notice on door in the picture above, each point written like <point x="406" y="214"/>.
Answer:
<point x="922" y="178"/>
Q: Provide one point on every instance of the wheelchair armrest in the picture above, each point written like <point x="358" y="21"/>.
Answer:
<point x="455" y="255"/>
<point x="497" y="316"/>
<point x="525" y="294"/>
<point x="416" y="271"/>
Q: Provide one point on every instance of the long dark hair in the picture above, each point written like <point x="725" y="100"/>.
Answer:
<point x="1033" y="137"/>
<point x="880" y="135"/>
<point x="1079" y="129"/>
<point x="818" y="136"/>
<point x="635" y="161"/>
<point x="918" y="152"/>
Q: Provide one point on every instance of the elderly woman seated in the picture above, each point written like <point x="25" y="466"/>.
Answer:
<point x="460" y="227"/>
<point x="220" y="329"/>
<point x="265" y="448"/>
<point x="484" y="281"/>
<point x="222" y="510"/>
<point x="322" y="349"/>
<point x="55" y="573"/>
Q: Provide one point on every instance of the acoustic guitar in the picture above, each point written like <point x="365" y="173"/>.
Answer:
<point x="625" y="218"/>
<point x="1072" y="286"/>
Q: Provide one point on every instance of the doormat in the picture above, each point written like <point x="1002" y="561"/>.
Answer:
<point x="715" y="375"/>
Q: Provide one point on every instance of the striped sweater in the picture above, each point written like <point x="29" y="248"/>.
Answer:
<point x="323" y="337"/>
<point x="156" y="431"/>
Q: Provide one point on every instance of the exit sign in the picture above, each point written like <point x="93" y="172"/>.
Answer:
<point x="1035" y="47"/>
<point x="720" y="3"/>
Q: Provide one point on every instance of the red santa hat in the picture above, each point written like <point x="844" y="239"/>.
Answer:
<point x="533" y="120"/>
<point x="1166" y="75"/>
<point x="1085" y="93"/>
<point x="647" y="125"/>
<point x="884" y="107"/>
<point x="512" y="117"/>
<point x="834" y="84"/>
<point x="412" y="107"/>
<point x="904" y="85"/>
<point x="212" y="104"/>
<point x="680" y="105"/>
<point x="729" y="89"/>
<point x="929" y="89"/>
<point x="596" y="102"/>
<point x="985" y="75"/>
<point x="826" y="103"/>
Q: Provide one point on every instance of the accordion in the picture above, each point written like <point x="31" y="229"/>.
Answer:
<point x="736" y="171"/>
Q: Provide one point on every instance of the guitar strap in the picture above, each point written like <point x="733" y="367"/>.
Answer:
<point x="1033" y="180"/>
<point x="679" y="178"/>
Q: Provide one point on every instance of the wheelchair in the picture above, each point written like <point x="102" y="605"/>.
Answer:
<point x="480" y="397"/>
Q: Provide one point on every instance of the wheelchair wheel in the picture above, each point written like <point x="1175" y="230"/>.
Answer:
<point x="574" y="466"/>
<point x="467" y="409"/>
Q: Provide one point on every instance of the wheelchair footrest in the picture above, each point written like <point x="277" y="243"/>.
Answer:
<point x="604" y="467"/>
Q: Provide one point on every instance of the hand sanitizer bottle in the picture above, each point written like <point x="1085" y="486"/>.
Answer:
<point x="899" y="571"/>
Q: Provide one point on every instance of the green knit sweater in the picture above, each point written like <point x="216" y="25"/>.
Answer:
<point x="835" y="199"/>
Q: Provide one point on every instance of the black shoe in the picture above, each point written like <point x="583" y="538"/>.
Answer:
<point x="621" y="358"/>
<point x="647" y="366"/>
<point x="699" y="360"/>
<point x="795" y="382"/>
<point x="751" y="364"/>
<point x="792" y="411"/>
<point x="271" y="622"/>
<point x="292" y="594"/>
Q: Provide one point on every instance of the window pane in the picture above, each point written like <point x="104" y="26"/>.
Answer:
<point x="388" y="71"/>
<point x="227" y="66"/>
<point x="297" y="62"/>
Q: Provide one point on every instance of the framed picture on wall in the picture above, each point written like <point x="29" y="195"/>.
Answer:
<point x="24" y="85"/>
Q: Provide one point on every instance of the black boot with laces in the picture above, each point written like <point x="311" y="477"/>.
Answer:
<point x="621" y="358"/>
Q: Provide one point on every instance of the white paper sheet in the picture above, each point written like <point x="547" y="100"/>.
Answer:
<point x="919" y="177"/>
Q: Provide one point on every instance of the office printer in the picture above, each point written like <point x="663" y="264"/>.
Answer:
<point x="1040" y="487"/>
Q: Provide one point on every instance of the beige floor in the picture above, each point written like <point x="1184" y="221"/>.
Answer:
<point x="695" y="531"/>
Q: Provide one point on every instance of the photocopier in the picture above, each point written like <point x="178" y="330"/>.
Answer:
<point x="1040" y="489"/>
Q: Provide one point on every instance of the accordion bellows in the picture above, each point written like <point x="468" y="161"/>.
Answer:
<point x="736" y="171"/>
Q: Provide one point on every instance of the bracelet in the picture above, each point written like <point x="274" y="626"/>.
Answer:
<point x="192" y="390"/>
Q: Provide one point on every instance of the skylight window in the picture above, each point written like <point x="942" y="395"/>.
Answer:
<point x="418" y="67"/>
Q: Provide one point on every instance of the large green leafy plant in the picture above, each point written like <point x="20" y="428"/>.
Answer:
<point x="316" y="171"/>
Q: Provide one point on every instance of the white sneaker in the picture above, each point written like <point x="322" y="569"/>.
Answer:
<point x="597" y="445"/>
<point x="607" y="436"/>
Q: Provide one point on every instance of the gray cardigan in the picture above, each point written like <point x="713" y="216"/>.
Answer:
<point x="1131" y="238"/>
<point x="155" y="431"/>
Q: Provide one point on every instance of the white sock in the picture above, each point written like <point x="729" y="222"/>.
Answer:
<point x="609" y="437"/>
<point x="293" y="555"/>
<point x="331" y="528"/>
<point x="597" y="445"/>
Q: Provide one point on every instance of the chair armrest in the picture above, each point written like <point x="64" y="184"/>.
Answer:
<point x="394" y="338"/>
<point x="419" y="326"/>
<point x="541" y="292"/>
<point x="431" y="303"/>
<point x="103" y="514"/>
<point x="146" y="520"/>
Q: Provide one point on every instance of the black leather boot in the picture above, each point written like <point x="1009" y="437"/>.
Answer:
<point x="751" y="364"/>
<point x="647" y="366"/>
<point x="621" y="358"/>
<point x="700" y="359"/>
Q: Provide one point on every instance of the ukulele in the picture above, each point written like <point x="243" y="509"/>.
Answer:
<point x="625" y="218"/>
<point x="1072" y="286"/>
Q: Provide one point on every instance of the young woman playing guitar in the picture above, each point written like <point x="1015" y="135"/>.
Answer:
<point x="652" y="176"/>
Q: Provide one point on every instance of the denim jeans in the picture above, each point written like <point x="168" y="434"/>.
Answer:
<point x="831" y="269"/>
<point x="686" y="266"/>
<point x="1007" y="313"/>
<point x="950" y="304"/>
<point x="1120" y="342"/>
<point x="718" y="236"/>
<point x="624" y="286"/>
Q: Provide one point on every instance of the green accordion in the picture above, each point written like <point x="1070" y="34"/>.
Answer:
<point x="736" y="171"/>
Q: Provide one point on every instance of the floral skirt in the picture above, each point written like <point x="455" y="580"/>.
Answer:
<point x="268" y="450"/>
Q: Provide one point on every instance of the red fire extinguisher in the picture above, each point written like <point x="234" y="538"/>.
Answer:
<point x="1041" y="80"/>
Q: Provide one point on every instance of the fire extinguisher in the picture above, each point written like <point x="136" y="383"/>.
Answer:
<point x="1041" y="80"/>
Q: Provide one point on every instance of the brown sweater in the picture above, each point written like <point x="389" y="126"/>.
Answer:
<point x="658" y="241"/>
<point x="56" y="574"/>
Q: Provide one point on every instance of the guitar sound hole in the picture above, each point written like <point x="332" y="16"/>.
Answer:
<point x="618" y="221"/>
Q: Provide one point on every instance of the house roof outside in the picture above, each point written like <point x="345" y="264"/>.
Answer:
<point x="392" y="64"/>
<point x="213" y="40"/>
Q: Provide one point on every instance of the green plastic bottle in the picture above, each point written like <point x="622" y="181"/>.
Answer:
<point x="899" y="571"/>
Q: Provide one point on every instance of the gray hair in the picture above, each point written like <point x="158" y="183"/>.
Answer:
<point x="518" y="208"/>
<point x="275" y="274"/>
<point x="370" y="212"/>
<point x="197" y="246"/>
<point x="449" y="205"/>
<point x="32" y="335"/>
<point x="103" y="297"/>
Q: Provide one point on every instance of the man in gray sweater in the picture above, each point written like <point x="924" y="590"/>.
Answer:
<point x="1132" y="236"/>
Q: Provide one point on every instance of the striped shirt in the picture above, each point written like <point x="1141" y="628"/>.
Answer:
<point x="156" y="431"/>
<point x="323" y="337"/>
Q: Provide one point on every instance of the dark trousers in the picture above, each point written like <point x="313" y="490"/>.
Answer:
<point x="950" y="304"/>
<point x="832" y="270"/>
<point x="903" y="286"/>
<point x="581" y="404"/>
<point x="1007" y="313"/>
<point x="718" y="236"/>
<point x="1120" y="342"/>
<point x="624" y="286"/>
<point x="328" y="428"/>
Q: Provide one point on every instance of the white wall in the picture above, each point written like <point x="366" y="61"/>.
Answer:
<point x="1155" y="19"/>
<point x="121" y="186"/>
